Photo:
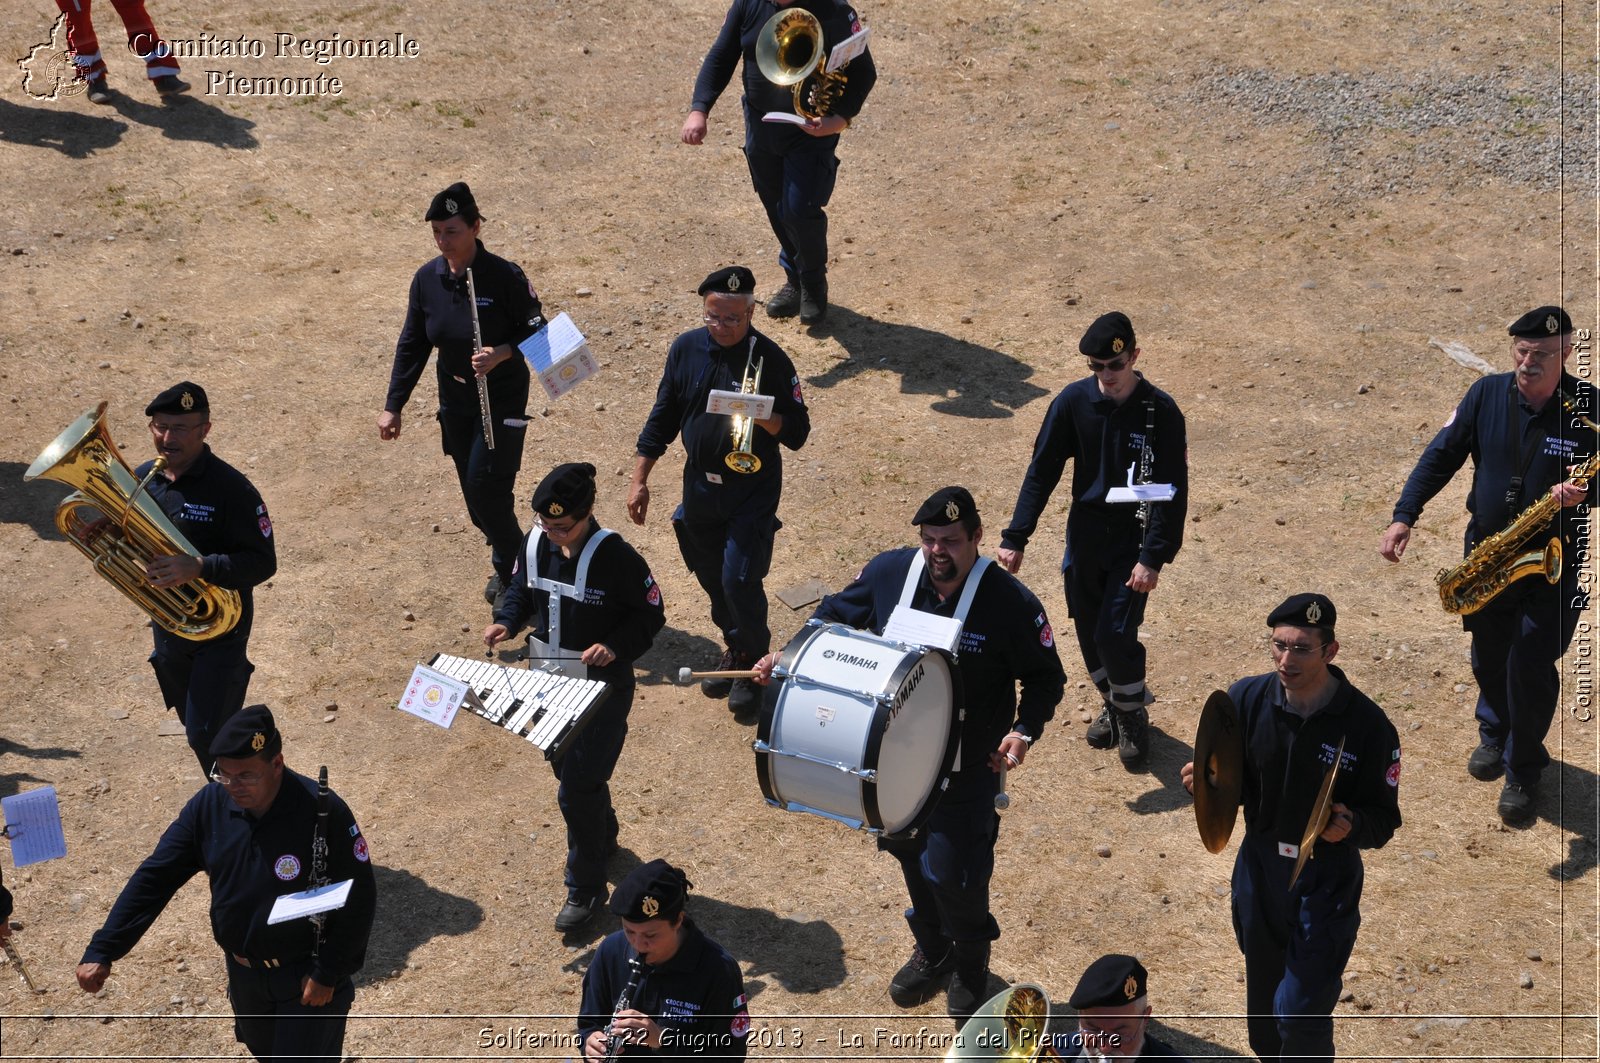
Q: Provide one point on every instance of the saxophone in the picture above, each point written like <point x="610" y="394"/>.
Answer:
<point x="1501" y="559"/>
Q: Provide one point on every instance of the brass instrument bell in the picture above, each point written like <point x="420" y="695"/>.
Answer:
<point x="790" y="51"/>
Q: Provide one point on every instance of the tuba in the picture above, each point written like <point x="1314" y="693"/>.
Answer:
<point x="1501" y="560"/>
<point x="1010" y="1028"/>
<point x="789" y="51"/>
<point x="742" y="458"/>
<point x="121" y="529"/>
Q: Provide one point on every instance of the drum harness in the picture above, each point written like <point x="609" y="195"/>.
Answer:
<point x="963" y="606"/>
<point x="567" y="662"/>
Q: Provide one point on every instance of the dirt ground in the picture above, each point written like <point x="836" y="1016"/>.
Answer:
<point x="1291" y="200"/>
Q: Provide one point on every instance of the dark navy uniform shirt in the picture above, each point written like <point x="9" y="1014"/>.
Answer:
<point x="250" y="862"/>
<point x="1286" y="758"/>
<point x="1071" y="1046"/>
<point x="622" y="605"/>
<point x="438" y="316"/>
<point x="696" y="366"/>
<point x="738" y="38"/>
<point x="697" y="997"/>
<point x="1103" y="439"/>
<point x="222" y="515"/>
<point x="1006" y="640"/>
<point x="1481" y="428"/>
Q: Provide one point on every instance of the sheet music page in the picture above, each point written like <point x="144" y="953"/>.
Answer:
<point x="310" y="902"/>
<point x="559" y="338"/>
<point x="433" y="696"/>
<point x="739" y="403"/>
<point x="848" y="49"/>
<point x="1142" y="493"/>
<point x="916" y="628"/>
<point x="34" y="822"/>
<point x="783" y="116"/>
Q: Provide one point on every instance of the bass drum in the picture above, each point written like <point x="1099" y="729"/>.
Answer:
<point x="859" y="729"/>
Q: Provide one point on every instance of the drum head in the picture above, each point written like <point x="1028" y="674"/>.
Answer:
<point x="915" y="746"/>
<point x="1218" y="771"/>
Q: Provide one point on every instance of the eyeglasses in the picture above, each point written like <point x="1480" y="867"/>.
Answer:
<point x="562" y="532"/>
<point x="162" y="429"/>
<point x="1108" y="367"/>
<point x="244" y="778"/>
<point x="1293" y="649"/>
<point x="1531" y="354"/>
<point x="725" y="322"/>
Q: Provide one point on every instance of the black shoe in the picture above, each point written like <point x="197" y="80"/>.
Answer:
<point x="1516" y="804"/>
<point x="920" y="980"/>
<point x="168" y="84"/>
<point x="785" y="302"/>
<point x="494" y="589"/>
<point x="1133" y="736"/>
<point x="813" y="303"/>
<point x="719" y="688"/>
<point x="967" y="991"/>
<point x="578" y="910"/>
<point x="1102" y="734"/>
<point x="744" y="699"/>
<point x="1487" y="762"/>
<point x="99" y="91"/>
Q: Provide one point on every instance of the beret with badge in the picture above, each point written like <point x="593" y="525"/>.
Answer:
<point x="1542" y="321"/>
<point x="568" y="490"/>
<point x="455" y="201"/>
<point x="1304" y="610"/>
<point x="730" y="280"/>
<point x="1110" y="336"/>
<point x="651" y="891"/>
<point x="947" y="506"/>
<point x="182" y="397"/>
<point x="249" y="732"/>
<point x="1110" y="982"/>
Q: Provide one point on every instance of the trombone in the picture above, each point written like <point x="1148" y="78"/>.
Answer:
<point x="741" y="458"/>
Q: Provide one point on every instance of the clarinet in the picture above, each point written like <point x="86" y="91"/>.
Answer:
<point x="483" y="380"/>
<point x="614" y="1044"/>
<point x="319" y="856"/>
<point x="1146" y="460"/>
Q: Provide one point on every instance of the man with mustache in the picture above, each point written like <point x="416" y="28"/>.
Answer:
<point x="1523" y="443"/>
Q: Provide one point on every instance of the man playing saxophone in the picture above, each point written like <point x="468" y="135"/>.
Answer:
<point x="221" y="513"/>
<point x="1524" y="443"/>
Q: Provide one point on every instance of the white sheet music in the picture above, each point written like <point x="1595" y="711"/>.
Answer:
<point x="917" y="628"/>
<point x="848" y="48"/>
<point x="741" y="404"/>
<point x="559" y="356"/>
<point x="310" y="902"/>
<point x="33" y="822"/>
<point x="1141" y="492"/>
<point x="433" y="696"/>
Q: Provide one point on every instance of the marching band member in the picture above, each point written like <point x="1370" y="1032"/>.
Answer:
<point x="1296" y="941"/>
<point x="438" y="316"/>
<point x="160" y="65"/>
<point x="1115" y="552"/>
<point x="1005" y="639"/>
<point x="251" y="830"/>
<point x="793" y="167"/>
<point x="221" y="514"/>
<point x="607" y="610"/>
<point x="1522" y="444"/>
<point x="1113" y="1005"/>
<point x="726" y="522"/>
<point x="664" y="989"/>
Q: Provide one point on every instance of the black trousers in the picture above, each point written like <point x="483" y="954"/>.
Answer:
<point x="270" y="1021"/>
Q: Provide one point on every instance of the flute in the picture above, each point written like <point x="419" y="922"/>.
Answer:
<point x="483" y="378"/>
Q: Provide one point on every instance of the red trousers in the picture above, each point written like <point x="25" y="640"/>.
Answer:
<point x="143" y="40"/>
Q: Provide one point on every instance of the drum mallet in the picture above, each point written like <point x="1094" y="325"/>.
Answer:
<point x="686" y="675"/>
<point x="1002" y="800"/>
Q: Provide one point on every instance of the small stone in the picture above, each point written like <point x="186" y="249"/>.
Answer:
<point x="1347" y="996"/>
<point x="1525" y="980"/>
<point x="466" y="627"/>
<point x="1428" y="854"/>
<point x="1086" y="717"/>
<point x="1102" y="850"/>
<point x="1533" y="954"/>
<point x="435" y="528"/>
<point x="581" y="292"/>
<point x="599" y="407"/>
<point x="1112" y="127"/>
<point x="105" y="1020"/>
<point x="1460" y="688"/>
<point x="409" y="616"/>
<point x="1416" y="725"/>
<point x="1308" y="284"/>
<point x="332" y="706"/>
<point x="1279" y="521"/>
<point x="105" y="365"/>
<point x="118" y="714"/>
<point x="966" y="319"/>
<point x="1363" y="389"/>
<point x="138" y="322"/>
<point x="330" y="717"/>
<point x="183" y="965"/>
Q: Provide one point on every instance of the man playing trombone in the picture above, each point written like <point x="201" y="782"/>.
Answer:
<point x="733" y="472"/>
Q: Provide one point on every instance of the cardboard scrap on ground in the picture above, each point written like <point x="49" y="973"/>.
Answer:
<point x="803" y="594"/>
<point x="1461" y="354"/>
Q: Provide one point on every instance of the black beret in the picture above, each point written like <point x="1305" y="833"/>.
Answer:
<point x="182" y="397"/>
<point x="1110" y="336"/>
<point x="1304" y="610"/>
<point x="651" y="891"/>
<point x="249" y="732"/>
<point x="1110" y="982"/>
<point x="730" y="280"/>
<point x="947" y="506"/>
<point x="452" y="202"/>
<point x="1545" y="321"/>
<point x="568" y="489"/>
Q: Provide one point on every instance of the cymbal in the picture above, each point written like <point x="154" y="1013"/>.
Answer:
<point x="1319" y="814"/>
<point x="1218" y="771"/>
<point x="1009" y="1028"/>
